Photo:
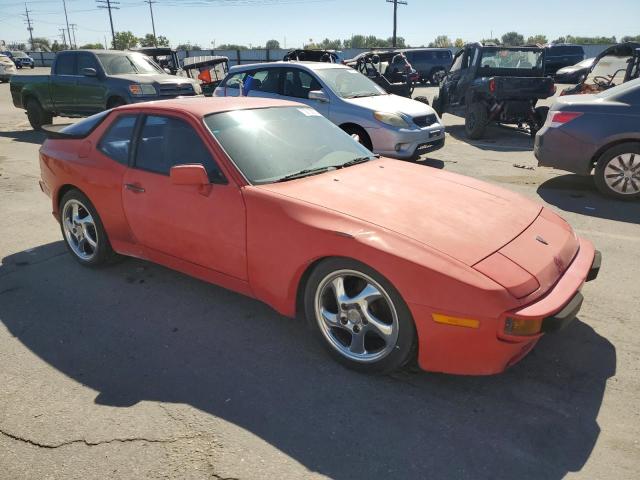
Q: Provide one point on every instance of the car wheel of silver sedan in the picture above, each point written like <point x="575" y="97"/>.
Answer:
<point x="82" y="230"/>
<point x="359" y="316"/>
<point x="617" y="172"/>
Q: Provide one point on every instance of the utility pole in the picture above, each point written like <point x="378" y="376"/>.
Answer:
<point x="64" y="4"/>
<point x="153" y="25"/>
<point x="395" y="18"/>
<point x="109" y="5"/>
<point x="73" y="30"/>
<point x="64" y="38"/>
<point x="29" y="27"/>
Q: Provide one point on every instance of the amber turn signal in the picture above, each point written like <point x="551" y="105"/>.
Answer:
<point x="518" y="326"/>
<point x="457" y="321"/>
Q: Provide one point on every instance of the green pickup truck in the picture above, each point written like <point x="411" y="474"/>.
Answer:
<point x="84" y="82"/>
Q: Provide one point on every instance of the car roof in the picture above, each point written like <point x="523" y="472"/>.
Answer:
<point x="201" y="107"/>
<point x="308" y="65"/>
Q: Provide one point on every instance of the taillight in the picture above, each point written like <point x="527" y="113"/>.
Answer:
<point x="560" y="118"/>
<point x="492" y="85"/>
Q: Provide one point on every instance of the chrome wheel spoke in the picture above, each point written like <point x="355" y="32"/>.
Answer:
<point x="338" y="290"/>
<point x="79" y="229"/>
<point x="330" y="318"/>
<point x="377" y="325"/>
<point x="366" y="296"/>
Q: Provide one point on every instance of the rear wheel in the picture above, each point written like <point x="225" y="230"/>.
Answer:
<point x="540" y="116"/>
<point x="37" y="115"/>
<point x="83" y="231"/>
<point x="437" y="76"/>
<point x="475" y="121"/>
<point x="359" y="316"/>
<point x="359" y="134"/>
<point x="617" y="172"/>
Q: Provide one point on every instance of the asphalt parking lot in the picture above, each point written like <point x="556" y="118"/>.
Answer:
<point x="136" y="371"/>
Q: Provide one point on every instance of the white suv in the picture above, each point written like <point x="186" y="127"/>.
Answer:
<point x="387" y="124"/>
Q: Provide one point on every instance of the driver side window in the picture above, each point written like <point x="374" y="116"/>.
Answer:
<point x="457" y="63"/>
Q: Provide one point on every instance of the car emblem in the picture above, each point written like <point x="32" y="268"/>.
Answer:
<point x="542" y="240"/>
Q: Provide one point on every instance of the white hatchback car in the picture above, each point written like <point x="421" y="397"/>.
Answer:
<point x="7" y="68"/>
<point x="387" y="124"/>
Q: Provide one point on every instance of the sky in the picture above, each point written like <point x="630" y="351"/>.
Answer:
<point x="294" y="22"/>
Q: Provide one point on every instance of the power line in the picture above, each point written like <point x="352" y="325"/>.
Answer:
<point x="153" y="25"/>
<point x="395" y="17"/>
<point x="109" y="5"/>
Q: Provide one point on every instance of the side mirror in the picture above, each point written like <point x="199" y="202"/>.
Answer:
<point x="190" y="174"/>
<point x="318" y="95"/>
<point x="89" y="72"/>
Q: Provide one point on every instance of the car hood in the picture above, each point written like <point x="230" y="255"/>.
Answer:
<point x="392" y="103"/>
<point x="458" y="216"/>
<point x="571" y="69"/>
<point x="161" y="78"/>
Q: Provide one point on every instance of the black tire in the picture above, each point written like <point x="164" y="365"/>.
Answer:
<point x="436" y="76"/>
<point x="363" y="137"/>
<point x="436" y="104"/>
<point x="422" y="99"/>
<point x="37" y="115"/>
<point x="102" y="253"/>
<point x="397" y="353"/>
<point x="115" y="102"/>
<point x="617" y="172"/>
<point x="475" y="121"/>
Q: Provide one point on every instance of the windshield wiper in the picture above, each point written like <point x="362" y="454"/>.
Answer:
<point x="358" y="160"/>
<point x="361" y="95"/>
<point x="305" y="173"/>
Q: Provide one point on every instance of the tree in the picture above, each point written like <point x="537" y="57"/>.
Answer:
<point x="150" y="41"/>
<point x="56" y="47"/>
<point x="40" y="43"/>
<point x="495" y="41"/>
<point x="92" y="46"/>
<point x="272" y="45"/>
<point x="400" y="42"/>
<point x="228" y="46"/>
<point x="512" y="39"/>
<point x="441" y="41"/>
<point x="537" y="40"/>
<point x="630" y="39"/>
<point x="459" y="43"/>
<point x="124" y="41"/>
<point x="16" y="46"/>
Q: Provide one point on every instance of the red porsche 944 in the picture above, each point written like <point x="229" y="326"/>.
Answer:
<point x="387" y="260"/>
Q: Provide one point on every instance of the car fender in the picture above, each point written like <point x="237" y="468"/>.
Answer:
<point x="285" y="236"/>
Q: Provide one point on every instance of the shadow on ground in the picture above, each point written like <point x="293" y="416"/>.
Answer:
<point x="25" y="136"/>
<point x="578" y="194"/>
<point x="136" y="331"/>
<point x="496" y="138"/>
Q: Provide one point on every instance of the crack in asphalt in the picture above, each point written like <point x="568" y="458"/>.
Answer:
<point x="88" y="443"/>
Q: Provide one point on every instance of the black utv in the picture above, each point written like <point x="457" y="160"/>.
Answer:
<point x="488" y="83"/>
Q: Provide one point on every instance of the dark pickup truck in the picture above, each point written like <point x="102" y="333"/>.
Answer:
<point x="84" y="82"/>
<point x="487" y="83"/>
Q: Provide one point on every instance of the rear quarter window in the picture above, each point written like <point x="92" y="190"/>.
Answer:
<point x="116" y="142"/>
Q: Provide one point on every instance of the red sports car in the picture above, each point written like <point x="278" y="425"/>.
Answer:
<point x="387" y="260"/>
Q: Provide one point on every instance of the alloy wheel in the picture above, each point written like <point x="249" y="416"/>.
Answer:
<point x="622" y="174"/>
<point x="80" y="230"/>
<point x="356" y="316"/>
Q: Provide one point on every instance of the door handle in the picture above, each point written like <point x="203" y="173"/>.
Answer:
<point x="134" y="188"/>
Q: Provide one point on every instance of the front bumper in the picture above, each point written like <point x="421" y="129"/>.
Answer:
<point x="486" y="350"/>
<point x="555" y="148"/>
<point x="407" y="143"/>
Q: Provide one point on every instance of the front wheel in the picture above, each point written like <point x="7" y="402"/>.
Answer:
<point x="359" y="316"/>
<point x="83" y="231"/>
<point x="437" y="76"/>
<point x="617" y="173"/>
<point x="360" y="135"/>
<point x="475" y="121"/>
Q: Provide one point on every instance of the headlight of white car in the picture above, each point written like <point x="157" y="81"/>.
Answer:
<point x="393" y="119"/>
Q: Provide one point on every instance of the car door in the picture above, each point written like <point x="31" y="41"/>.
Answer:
<point x="64" y="82"/>
<point x="296" y="85"/>
<point x="205" y="227"/>
<point x="92" y="90"/>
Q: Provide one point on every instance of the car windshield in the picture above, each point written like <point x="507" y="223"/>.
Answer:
<point x="511" y="58"/>
<point x="348" y="83"/>
<point x="19" y="54"/>
<point x="268" y="144"/>
<point x="118" y="64"/>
